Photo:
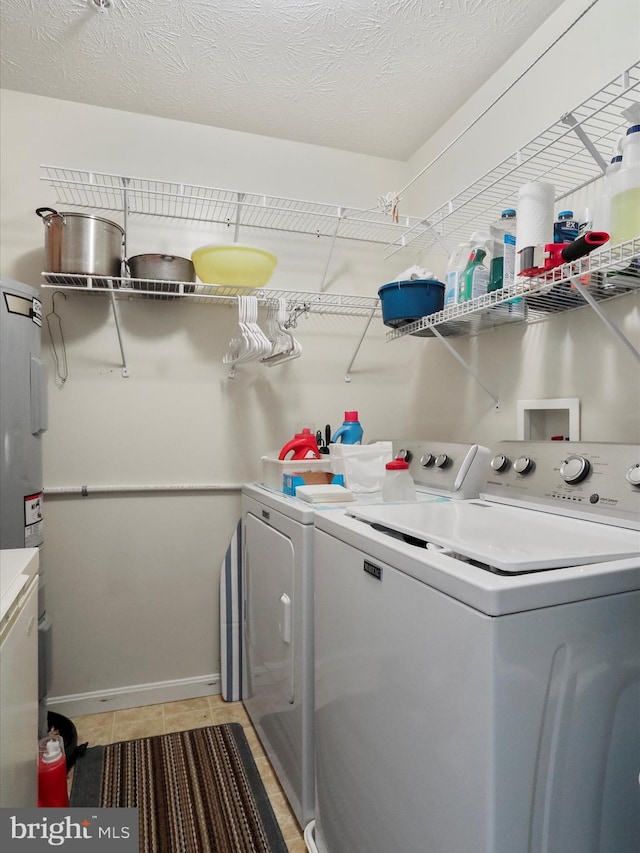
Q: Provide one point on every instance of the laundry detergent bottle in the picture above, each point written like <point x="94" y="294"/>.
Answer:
<point x="302" y="446"/>
<point x="351" y="431"/>
<point x="52" y="773"/>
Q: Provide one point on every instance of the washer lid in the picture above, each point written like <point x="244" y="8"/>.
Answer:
<point x="509" y="539"/>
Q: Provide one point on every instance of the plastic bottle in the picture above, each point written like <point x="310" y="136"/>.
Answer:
<point x="351" y="430"/>
<point x="566" y="228"/>
<point x="303" y="445"/>
<point x="455" y="268"/>
<point x="498" y="230"/>
<point x="625" y="199"/>
<point x="475" y="278"/>
<point x="397" y="484"/>
<point x="52" y="773"/>
<point x="602" y="218"/>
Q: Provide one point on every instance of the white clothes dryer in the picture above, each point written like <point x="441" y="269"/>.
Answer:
<point x="478" y="663"/>
<point x="278" y="658"/>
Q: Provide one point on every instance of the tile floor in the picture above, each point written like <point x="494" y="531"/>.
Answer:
<point x="113" y="726"/>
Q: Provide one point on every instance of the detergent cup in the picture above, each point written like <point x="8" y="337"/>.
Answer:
<point x="351" y="431"/>
<point x="302" y="446"/>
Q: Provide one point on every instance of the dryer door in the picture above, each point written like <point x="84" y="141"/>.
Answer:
<point x="269" y="566"/>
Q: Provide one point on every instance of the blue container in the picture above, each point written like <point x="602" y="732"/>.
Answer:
<point x="405" y="301"/>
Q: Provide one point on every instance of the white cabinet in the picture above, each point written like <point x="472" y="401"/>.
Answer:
<point x="19" y="677"/>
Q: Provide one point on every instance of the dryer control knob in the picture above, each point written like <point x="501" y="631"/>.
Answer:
<point x="407" y="455"/>
<point x="427" y="460"/>
<point x="442" y="460"/>
<point x="523" y="465"/>
<point x="633" y="475"/>
<point x="574" y="469"/>
<point x="499" y="462"/>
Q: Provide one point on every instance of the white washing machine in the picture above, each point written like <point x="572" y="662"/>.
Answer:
<point x="278" y="660"/>
<point x="477" y="663"/>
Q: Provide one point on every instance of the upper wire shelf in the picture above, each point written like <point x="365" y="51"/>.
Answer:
<point x="141" y="196"/>
<point x="609" y="273"/>
<point x="558" y="154"/>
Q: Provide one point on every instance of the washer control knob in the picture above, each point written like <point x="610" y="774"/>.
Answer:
<point x="499" y="462"/>
<point x="427" y="460"/>
<point x="574" y="469"/>
<point x="633" y="475"/>
<point x="407" y="455"/>
<point x="442" y="460"/>
<point x="523" y="465"/>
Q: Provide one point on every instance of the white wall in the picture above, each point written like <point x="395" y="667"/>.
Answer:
<point x="573" y="355"/>
<point x="132" y="581"/>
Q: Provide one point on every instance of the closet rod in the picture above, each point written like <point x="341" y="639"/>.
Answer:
<point x="51" y="491"/>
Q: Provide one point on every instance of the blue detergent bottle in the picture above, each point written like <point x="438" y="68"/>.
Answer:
<point x="351" y="431"/>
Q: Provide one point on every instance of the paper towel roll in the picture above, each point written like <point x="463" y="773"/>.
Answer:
<point x="535" y="216"/>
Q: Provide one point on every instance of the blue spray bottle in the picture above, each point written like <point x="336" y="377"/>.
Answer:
<point x="351" y="431"/>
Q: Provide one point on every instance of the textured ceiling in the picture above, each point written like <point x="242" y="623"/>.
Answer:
<point x="372" y="76"/>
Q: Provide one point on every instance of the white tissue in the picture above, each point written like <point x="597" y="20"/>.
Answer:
<point x="414" y="273"/>
<point x="535" y="216"/>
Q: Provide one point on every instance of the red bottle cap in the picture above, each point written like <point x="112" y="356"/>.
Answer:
<point x="397" y="465"/>
<point x="351" y="416"/>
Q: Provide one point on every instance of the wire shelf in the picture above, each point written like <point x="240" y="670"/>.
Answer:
<point x="309" y="301"/>
<point x="140" y="196"/>
<point x="607" y="274"/>
<point x="558" y="155"/>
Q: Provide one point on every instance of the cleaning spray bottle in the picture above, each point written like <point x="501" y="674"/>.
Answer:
<point x="351" y="431"/>
<point x="52" y="773"/>
<point x="475" y="278"/>
<point x="455" y="267"/>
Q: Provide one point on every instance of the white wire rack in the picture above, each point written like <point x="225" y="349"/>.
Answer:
<point x="297" y="301"/>
<point x="569" y="154"/>
<point x="143" y="197"/>
<point x="609" y="273"/>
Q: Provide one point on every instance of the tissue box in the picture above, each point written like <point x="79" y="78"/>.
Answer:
<point x="274" y="469"/>
<point x="290" y="482"/>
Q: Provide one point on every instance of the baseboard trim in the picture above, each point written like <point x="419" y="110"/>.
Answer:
<point x="134" y="696"/>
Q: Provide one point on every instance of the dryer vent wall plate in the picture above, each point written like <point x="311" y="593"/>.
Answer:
<point x="542" y="420"/>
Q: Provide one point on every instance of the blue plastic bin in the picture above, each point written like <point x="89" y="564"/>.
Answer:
<point x="403" y="302"/>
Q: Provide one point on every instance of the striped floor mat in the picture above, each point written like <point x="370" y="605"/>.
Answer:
<point x="197" y="791"/>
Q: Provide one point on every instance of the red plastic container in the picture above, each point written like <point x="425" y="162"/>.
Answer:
<point x="302" y="446"/>
<point x="52" y="773"/>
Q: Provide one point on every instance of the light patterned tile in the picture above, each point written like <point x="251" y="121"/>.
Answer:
<point x="182" y="721"/>
<point x="132" y="729"/>
<point x="296" y="845"/>
<point x="145" y="712"/>
<point x="234" y="713"/>
<point x="95" y="728"/>
<point x="182" y="706"/>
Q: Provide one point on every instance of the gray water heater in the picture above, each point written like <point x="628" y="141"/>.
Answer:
<point x="23" y="419"/>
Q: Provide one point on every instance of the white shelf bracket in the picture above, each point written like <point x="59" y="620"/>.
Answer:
<point x="570" y="120"/>
<point x="331" y="248"/>
<point x="125" y="214"/>
<point x="583" y="290"/>
<point x="347" y="376"/>
<point x="236" y="230"/>
<point x="457" y="355"/>
<point x="125" y="369"/>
